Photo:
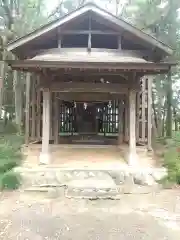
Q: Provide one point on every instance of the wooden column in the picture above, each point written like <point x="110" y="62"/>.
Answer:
<point x="56" y="119"/>
<point x="38" y="107"/>
<point x="126" y="120"/>
<point x="45" y="155"/>
<point x="132" y="159"/>
<point x="120" y="113"/>
<point x="143" y="106"/>
<point x="137" y="115"/>
<point x="150" y="113"/>
<point x="33" y="105"/>
<point x="27" y="128"/>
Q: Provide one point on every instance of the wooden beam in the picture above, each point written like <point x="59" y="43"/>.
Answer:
<point x="89" y="87"/>
<point x="87" y="32"/>
<point x="86" y="96"/>
<point x="150" y="79"/>
<point x="27" y="127"/>
<point x="146" y="67"/>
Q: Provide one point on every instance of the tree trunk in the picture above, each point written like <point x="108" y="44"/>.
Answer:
<point x="2" y="75"/>
<point x="18" y="101"/>
<point x="169" y="106"/>
<point x="159" y="110"/>
<point x="175" y="119"/>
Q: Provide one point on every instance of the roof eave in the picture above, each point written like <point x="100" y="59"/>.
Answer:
<point x="129" y="66"/>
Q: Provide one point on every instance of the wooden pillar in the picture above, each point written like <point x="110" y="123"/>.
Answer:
<point x="27" y="111"/>
<point x="45" y="155"/>
<point x="143" y="106"/>
<point x="51" y="115"/>
<point x="150" y="113"/>
<point x="120" y="115"/>
<point x="33" y="105"/>
<point x="38" y="107"/>
<point x="132" y="159"/>
<point x="126" y="120"/>
<point x="56" y="119"/>
<point x="137" y="115"/>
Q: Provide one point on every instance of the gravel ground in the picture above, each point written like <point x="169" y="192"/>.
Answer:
<point x="35" y="216"/>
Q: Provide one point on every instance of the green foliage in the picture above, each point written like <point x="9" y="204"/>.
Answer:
<point x="8" y="128"/>
<point x="10" y="157"/>
<point x="10" y="181"/>
<point x="172" y="163"/>
<point x="172" y="159"/>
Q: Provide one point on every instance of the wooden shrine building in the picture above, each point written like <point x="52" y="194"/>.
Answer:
<point x="89" y="78"/>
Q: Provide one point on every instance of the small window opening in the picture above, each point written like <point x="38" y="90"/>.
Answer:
<point x="104" y="41"/>
<point x="75" y="41"/>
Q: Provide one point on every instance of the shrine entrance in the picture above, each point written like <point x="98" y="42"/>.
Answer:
<point x="86" y="118"/>
<point x="89" y="120"/>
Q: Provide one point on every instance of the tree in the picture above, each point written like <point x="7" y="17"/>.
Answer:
<point x="18" y="18"/>
<point x="160" y="19"/>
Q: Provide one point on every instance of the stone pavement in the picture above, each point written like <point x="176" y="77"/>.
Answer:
<point x="133" y="217"/>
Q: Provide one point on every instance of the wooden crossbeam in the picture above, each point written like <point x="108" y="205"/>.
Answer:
<point x="88" y="87"/>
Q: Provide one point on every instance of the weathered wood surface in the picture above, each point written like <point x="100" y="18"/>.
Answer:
<point x="56" y="119"/>
<point x="143" y="107"/>
<point x="33" y="107"/>
<point x="87" y="32"/>
<point x="137" y="115"/>
<point x="126" y="120"/>
<point x="87" y="97"/>
<point x="89" y="87"/>
<point x="38" y="114"/>
<point x="121" y="122"/>
<point x="150" y="79"/>
<point x="46" y="121"/>
<point x="132" y="125"/>
<point x="27" y="116"/>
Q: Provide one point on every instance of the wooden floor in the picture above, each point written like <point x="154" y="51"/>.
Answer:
<point x="85" y="156"/>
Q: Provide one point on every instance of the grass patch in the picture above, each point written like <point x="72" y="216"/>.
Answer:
<point x="10" y="157"/>
<point x="172" y="163"/>
<point x="172" y="159"/>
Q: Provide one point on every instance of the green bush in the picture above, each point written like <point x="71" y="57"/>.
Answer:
<point x="10" y="157"/>
<point x="8" y="128"/>
<point x="172" y="163"/>
<point x="10" y="181"/>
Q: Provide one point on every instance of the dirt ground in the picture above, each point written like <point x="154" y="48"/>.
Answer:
<point x="35" y="216"/>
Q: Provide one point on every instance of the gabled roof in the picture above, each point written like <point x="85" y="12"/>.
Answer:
<point x="102" y="13"/>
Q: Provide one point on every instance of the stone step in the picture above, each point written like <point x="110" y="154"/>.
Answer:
<point x="90" y="184"/>
<point x="42" y="176"/>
